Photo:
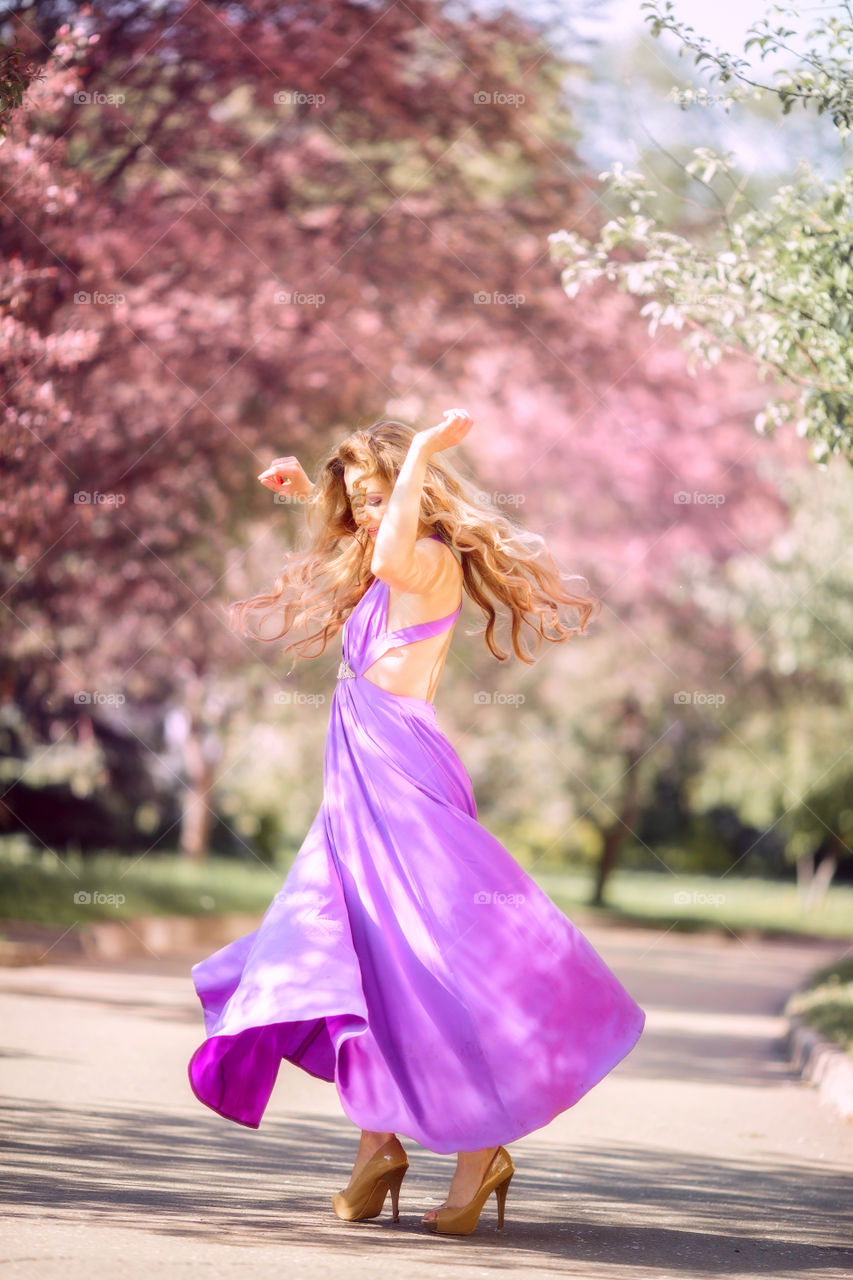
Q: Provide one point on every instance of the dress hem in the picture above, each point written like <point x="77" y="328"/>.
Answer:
<point x="401" y="1132"/>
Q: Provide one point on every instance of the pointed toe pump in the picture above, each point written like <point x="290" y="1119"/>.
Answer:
<point x="365" y="1196"/>
<point x="461" y="1221"/>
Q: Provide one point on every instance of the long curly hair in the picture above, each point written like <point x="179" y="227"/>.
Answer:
<point x="501" y="561"/>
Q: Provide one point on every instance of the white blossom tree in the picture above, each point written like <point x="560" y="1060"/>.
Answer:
<point x="772" y="283"/>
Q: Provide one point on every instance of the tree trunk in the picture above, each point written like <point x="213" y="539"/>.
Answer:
<point x="632" y="734"/>
<point x="821" y="878"/>
<point x="805" y="875"/>
<point x="197" y="814"/>
<point x="813" y="881"/>
<point x="613" y="838"/>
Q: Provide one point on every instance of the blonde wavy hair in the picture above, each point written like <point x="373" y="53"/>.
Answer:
<point x="501" y="561"/>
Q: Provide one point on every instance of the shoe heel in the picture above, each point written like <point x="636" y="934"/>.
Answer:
<point x="393" y="1181"/>
<point x="500" y="1193"/>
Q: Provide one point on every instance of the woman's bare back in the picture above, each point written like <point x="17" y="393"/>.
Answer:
<point x="413" y="670"/>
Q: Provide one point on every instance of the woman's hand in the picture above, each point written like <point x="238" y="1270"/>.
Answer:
<point x="285" y="475"/>
<point x="455" y="427"/>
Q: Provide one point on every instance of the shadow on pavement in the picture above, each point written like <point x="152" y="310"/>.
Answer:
<point x="631" y="1207"/>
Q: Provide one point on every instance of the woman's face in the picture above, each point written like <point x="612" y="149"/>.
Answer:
<point x="368" y="497"/>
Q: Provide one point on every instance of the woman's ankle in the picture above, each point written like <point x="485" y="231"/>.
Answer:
<point x="472" y="1159"/>
<point x="374" y="1139"/>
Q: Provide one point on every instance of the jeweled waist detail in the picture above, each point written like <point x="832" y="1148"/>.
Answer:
<point x="345" y="671"/>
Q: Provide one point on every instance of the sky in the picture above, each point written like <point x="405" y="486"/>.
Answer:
<point x="618" y="117"/>
<point x="724" y="22"/>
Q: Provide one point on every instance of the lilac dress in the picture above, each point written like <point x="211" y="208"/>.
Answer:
<point x="407" y="956"/>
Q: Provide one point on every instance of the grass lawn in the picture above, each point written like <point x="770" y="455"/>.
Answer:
<point x="826" y="1003"/>
<point x="701" y="902"/>
<point x="43" y="887"/>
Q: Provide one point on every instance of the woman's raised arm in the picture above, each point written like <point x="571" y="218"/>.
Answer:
<point x="395" y="557"/>
<point x="285" y="475"/>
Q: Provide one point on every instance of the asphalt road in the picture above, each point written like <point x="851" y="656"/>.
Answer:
<point x="701" y="1155"/>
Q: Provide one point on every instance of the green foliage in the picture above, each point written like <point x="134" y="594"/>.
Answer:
<point x="772" y="282"/>
<point x="41" y="885"/>
<point x="81" y="765"/>
<point x="822" y="77"/>
<point x="826" y="1003"/>
<point x="704" y="853"/>
<point x="17" y="72"/>
<point x="270" y="783"/>
<point x="168" y="189"/>
<point x="783" y="758"/>
<point x="540" y="846"/>
<point x="734" y="905"/>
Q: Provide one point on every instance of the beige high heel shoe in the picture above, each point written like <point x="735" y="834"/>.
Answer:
<point x="461" y="1221"/>
<point x="365" y="1197"/>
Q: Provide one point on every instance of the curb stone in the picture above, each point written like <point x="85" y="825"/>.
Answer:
<point x="28" y="942"/>
<point x="826" y="1065"/>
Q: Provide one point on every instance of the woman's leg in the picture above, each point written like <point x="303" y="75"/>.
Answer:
<point x="470" y="1170"/>
<point x="370" y="1142"/>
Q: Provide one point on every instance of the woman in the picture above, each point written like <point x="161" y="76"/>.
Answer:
<point x="407" y="956"/>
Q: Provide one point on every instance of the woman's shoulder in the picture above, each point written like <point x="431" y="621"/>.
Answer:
<point x="442" y="555"/>
<point x="436" y="576"/>
<point x="437" y="546"/>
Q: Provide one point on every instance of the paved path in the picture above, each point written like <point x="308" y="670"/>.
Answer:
<point x="701" y="1155"/>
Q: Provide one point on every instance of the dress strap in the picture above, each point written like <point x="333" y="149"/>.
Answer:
<point x="423" y="630"/>
<point x="383" y="641"/>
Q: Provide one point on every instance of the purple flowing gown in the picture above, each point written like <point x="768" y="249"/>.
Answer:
<point x="407" y="956"/>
